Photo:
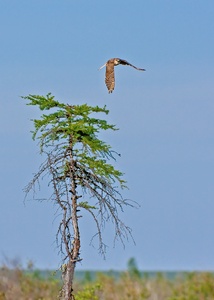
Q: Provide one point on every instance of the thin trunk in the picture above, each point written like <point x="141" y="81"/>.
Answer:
<point x="73" y="253"/>
<point x="67" y="277"/>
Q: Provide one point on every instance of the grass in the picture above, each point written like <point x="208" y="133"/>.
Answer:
<point x="130" y="285"/>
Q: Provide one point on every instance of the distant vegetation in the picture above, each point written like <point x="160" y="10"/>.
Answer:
<point x="130" y="285"/>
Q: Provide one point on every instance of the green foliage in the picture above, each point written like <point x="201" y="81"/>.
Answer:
<point x="86" y="205"/>
<point x="90" y="292"/>
<point x="67" y="119"/>
<point x="76" y="125"/>
<point x="132" y="268"/>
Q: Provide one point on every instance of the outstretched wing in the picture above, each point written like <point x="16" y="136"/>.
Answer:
<point x="125" y="62"/>
<point x="109" y="80"/>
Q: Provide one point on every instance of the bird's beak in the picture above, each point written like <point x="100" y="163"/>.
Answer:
<point x="102" y="66"/>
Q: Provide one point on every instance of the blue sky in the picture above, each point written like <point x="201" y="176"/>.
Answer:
<point x="165" y="116"/>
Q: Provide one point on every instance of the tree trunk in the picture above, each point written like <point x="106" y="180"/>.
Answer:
<point x="73" y="257"/>
<point x="67" y="277"/>
<point x="73" y="252"/>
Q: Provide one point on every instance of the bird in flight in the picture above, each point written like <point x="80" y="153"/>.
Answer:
<point x="110" y="64"/>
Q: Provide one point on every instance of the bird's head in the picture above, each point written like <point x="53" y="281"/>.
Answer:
<point x="116" y="61"/>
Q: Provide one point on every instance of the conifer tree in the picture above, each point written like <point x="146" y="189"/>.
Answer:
<point x="78" y="166"/>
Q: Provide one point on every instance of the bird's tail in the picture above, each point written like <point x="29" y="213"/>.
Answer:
<point x="102" y="66"/>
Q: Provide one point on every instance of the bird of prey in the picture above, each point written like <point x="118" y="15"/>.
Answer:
<point x="110" y="64"/>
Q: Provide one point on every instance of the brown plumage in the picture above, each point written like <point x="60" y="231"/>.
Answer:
<point x="109" y="80"/>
